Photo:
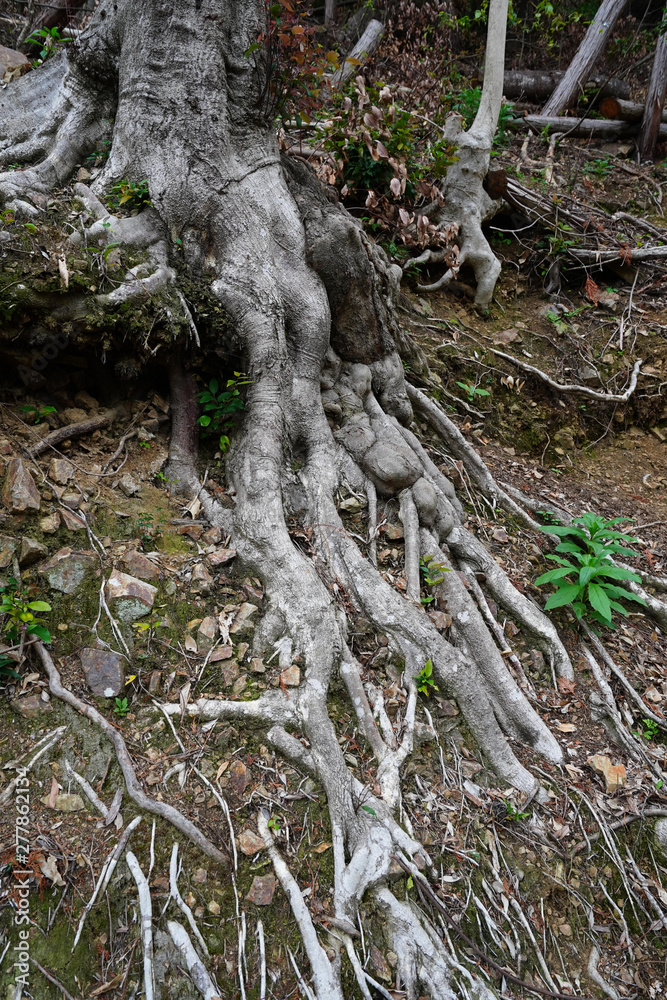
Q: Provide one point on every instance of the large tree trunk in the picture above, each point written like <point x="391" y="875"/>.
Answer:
<point x="311" y="301"/>
<point x="593" y="45"/>
<point x="655" y="100"/>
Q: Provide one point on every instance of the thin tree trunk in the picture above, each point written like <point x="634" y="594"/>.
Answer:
<point x="330" y="11"/>
<point x="597" y="128"/>
<point x="586" y="56"/>
<point x="655" y="100"/>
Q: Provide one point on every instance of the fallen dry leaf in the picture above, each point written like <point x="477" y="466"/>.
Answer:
<point x="49" y="867"/>
<point x="566" y="727"/>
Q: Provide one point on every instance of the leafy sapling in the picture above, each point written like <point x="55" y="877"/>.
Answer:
<point x="39" y="411"/>
<point x="21" y="622"/>
<point x="220" y="407"/>
<point x="472" y="391"/>
<point x="584" y="582"/>
<point x="121" y="706"/>
<point x="425" y="682"/>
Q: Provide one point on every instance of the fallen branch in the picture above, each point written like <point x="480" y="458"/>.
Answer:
<point x="364" y="48"/>
<point x="180" y="902"/>
<point x="48" y="741"/>
<point x="134" y="789"/>
<point x="95" y="423"/>
<point x="627" y="255"/>
<point x="626" y="111"/>
<point x="606" y="397"/>
<point x="652" y="812"/>
<point x="192" y="962"/>
<point x="146" y="911"/>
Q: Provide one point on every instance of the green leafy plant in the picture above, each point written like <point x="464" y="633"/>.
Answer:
<point x="514" y="814"/>
<point x="584" y="581"/>
<point x="425" y="682"/>
<point x="134" y="195"/>
<point x="600" y="168"/>
<point x="39" y="411"/>
<point x="472" y="391"/>
<point x="650" y="730"/>
<point x="467" y="105"/>
<point x="121" y="706"/>
<point x="433" y="573"/>
<point x="49" y="39"/>
<point x="221" y="406"/>
<point x="21" y="619"/>
<point x="273" y="824"/>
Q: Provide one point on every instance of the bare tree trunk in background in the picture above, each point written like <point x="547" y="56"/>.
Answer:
<point x="59" y="15"/>
<point x="595" y="40"/>
<point x="655" y="99"/>
<point x="330" y="11"/>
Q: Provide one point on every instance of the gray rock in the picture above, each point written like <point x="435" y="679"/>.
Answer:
<point x="207" y="633"/>
<point x="221" y="556"/>
<point x="242" y="621"/>
<point x="20" y="493"/>
<point x="131" y="598"/>
<point x="10" y="60"/>
<point x="202" y="581"/>
<point x="8" y="549"/>
<point x="31" y="706"/>
<point x="141" y="566"/>
<point x="128" y="486"/>
<point x="73" y="415"/>
<point x="50" y="524"/>
<point x="60" y="470"/>
<point x="31" y="551"/>
<point x="67" y="569"/>
<point x="104" y="670"/>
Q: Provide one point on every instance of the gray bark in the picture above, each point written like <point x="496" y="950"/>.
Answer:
<point x="595" y="40"/>
<point x="651" y="129"/>
<point x="538" y="84"/>
<point x="627" y="111"/>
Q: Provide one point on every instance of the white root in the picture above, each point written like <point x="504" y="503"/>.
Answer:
<point x="180" y="902"/>
<point x="105" y="875"/>
<point x="109" y="815"/>
<point x="582" y="390"/>
<point x="49" y="740"/>
<point x="262" y="960"/>
<point x="371" y="496"/>
<point x="592" y="969"/>
<point x="408" y="514"/>
<point x="146" y="912"/>
<point x="192" y="962"/>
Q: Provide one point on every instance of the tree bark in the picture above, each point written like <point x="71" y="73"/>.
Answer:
<point x="627" y="111"/>
<point x="538" y="84"/>
<point x="655" y="101"/>
<point x="595" y="40"/>
<point x="364" y="48"/>
<point x="596" y="128"/>
<point x="330" y="9"/>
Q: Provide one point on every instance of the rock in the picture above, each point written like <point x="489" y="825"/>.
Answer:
<point x="613" y="774"/>
<point x="193" y="531"/>
<point x="352" y="505"/>
<point x="10" y="60"/>
<point x="155" y="682"/>
<point x="20" y="493"/>
<point x="380" y="965"/>
<point x="5" y="446"/>
<point x="250" y="842"/>
<point x="83" y="399"/>
<point x="131" y="598"/>
<point x="31" y="706"/>
<point x="609" y="300"/>
<point x="67" y="569"/>
<point x="221" y="556"/>
<point x="505" y="337"/>
<point x="201" y="581"/>
<point x="242" y="621"/>
<point x="257" y="665"/>
<point x="140" y="565"/>
<point x="8" y="549"/>
<point x="212" y="537"/>
<point x="393" y="531"/>
<point x="128" y="486"/>
<point x="104" y="670"/>
<point x="200" y="875"/>
<point x="31" y="551"/>
<point x="221" y="653"/>
<point x="60" y="470"/>
<point x="291" y="677"/>
<point x="440" y="619"/>
<point x="64" y="803"/>
<point x="50" y="524"/>
<point x="239" y="685"/>
<point x="238" y="777"/>
<point x="230" y="673"/>
<point x="660" y="834"/>
<point x="73" y="522"/>
<point x="262" y="890"/>
<point x="207" y="633"/>
<point x="500" y="535"/>
<point x="73" y="415"/>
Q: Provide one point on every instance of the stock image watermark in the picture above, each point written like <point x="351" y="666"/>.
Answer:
<point x="41" y="359"/>
<point x="21" y="878"/>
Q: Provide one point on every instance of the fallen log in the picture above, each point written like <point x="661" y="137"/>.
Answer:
<point x="362" y="51"/>
<point x="539" y="84"/>
<point x="586" y="128"/>
<point x="626" y="111"/>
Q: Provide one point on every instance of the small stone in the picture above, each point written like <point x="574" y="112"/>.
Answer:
<point x="67" y="569"/>
<point x="31" y="706"/>
<point x="230" y="673"/>
<point x="73" y="415"/>
<point x="128" y="486"/>
<point x="262" y="889"/>
<point x="238" y="777"/>
<point x="83" y="175"/>
<point x="5" y="446"/>
<point x="212" y="537"/>
<point x="31" y="551"/>
<point x="239" y="685"/>
<point x="291" y="677"/>
<point x="440" y="619"/>
<point x="8" y="549"/>
<point x="84" y="400"/>
<point x="380" y="965"/>
<point x="50" y="524"/>
<point x="609" y="300"/>
<point x="73" y="500"/>
<point x="60" y="470"/>
<point x="193" y="531"/>
<point x="257" y="665"/>
<point x="221" y="653"/>
<point x="105" y="672"/>
<point x="565" y="930"/>
<point x="11" y="60"/>
<point x="201" y="581"/>
<point x="500" y="535"/>
<point x="199" y="876"/>
<point x="132" y="598"/>
<point x="242" y="621"/>
<point x="613" y="774"/>
<point x="221" y="556"/>
<point x="20" y="493"/>
<point x="141" y="566"/>
<point x="206" y="633"/>
<point x="65" y="803"/>
<point x="352" y="505"/>
<point x="250" y="843"/>
<point x="72" y="521"/>
<point x="393" y="531"/>
<point x="155" y="682"/>
<point x="214" y="908"/>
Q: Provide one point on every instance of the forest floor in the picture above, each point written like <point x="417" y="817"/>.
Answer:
<point x="535" y="887"/>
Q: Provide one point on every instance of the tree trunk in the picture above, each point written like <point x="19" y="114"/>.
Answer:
<point x="538" y="84"/>
<point x="627" y="111"/>
<point x="364" y="48"/>
<point x="330" y="8"/>
<point x="593" y="45"/>
<point x="655" y="102"/>
<point x="58" y="15"/>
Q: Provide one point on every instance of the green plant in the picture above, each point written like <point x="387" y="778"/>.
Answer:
<point x="121" y="706"/>
<point x="472" y="391"/>
<point x="21" y="621"/>
<point x="650" y="731"/>
<point x="133" y="194"/>
<point x="425" y="682"/>
<point x="148" y="529"/>
<point x="220" y="407"/>
<point x="39" y="411"/>
<point x="514" y="814"/>
<point x="145" y="444"/>
<point x="467" y="105"/>
<point x="433" y="572"/>
<point x="590" y="542"/>
<point x="601" y="167"/>
<point x="274" y="825"/>
<point x="49" y="39"/>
